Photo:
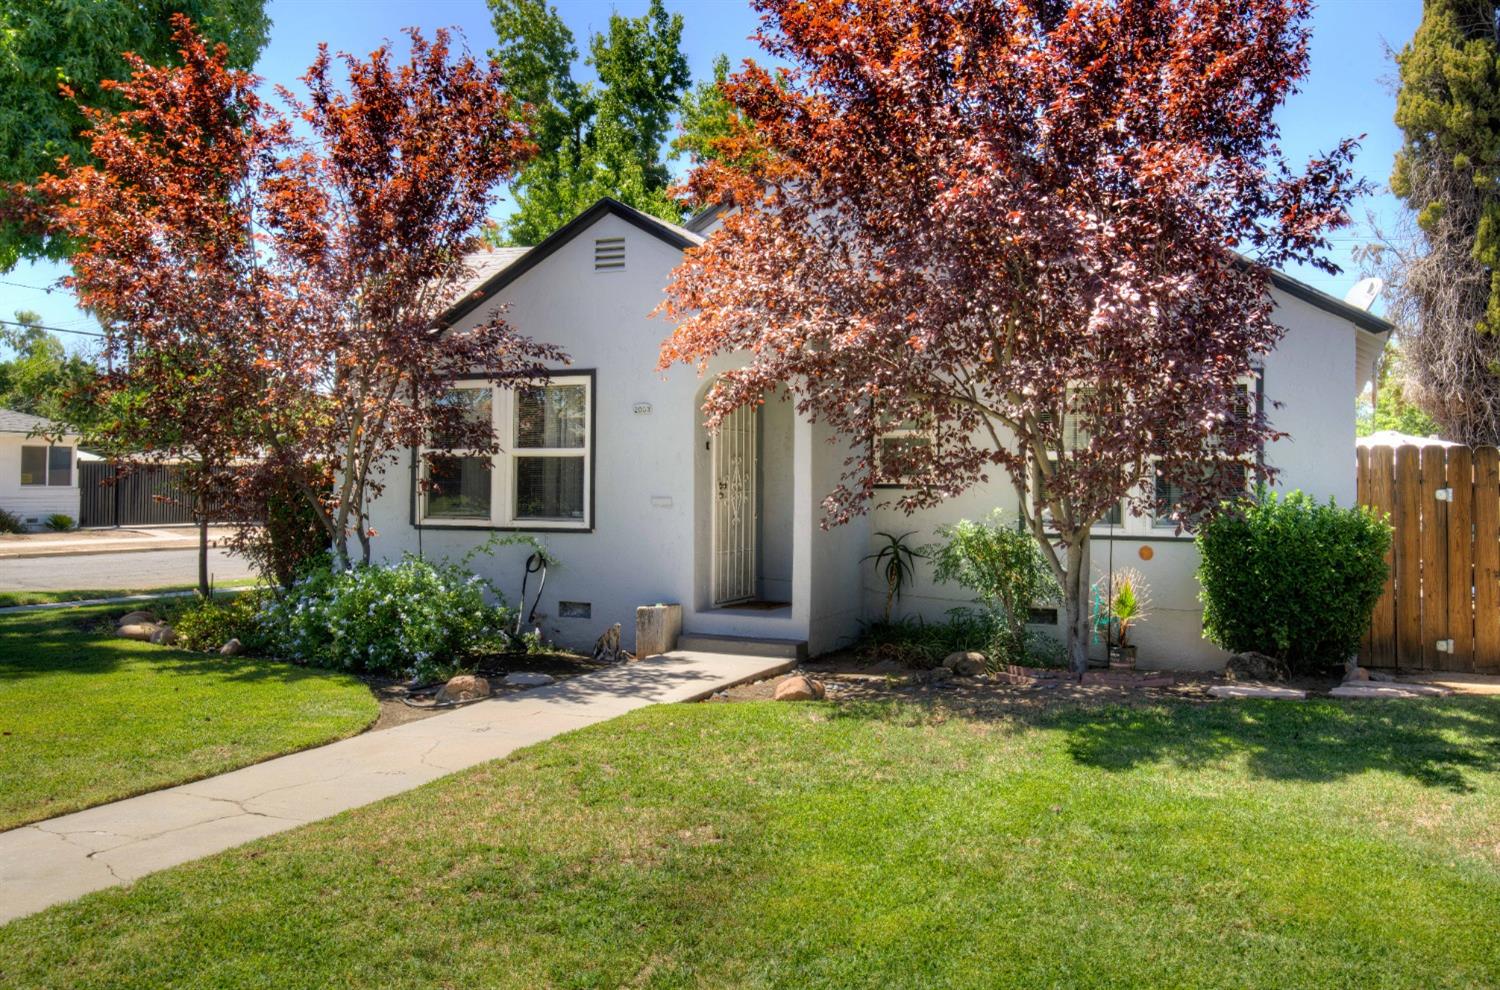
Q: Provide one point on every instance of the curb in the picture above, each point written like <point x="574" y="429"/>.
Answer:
<point x="93" y="552"/>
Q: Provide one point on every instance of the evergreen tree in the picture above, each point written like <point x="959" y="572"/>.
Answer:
<point x="1446" y="289"/>
<point x="592" y="140"/>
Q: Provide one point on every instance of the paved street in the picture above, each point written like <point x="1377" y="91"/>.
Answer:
<point x="150" y="569"/>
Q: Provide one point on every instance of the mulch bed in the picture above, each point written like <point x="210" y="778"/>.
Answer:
<point x="390" y="692"/>
<point x="850" y="678"/>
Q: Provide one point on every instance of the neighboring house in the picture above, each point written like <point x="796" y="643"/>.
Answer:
<point x="611" y="466"/>
<point x="38" y="477"/>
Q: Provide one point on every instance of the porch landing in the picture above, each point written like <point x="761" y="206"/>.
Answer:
<point x="57" y="860"/>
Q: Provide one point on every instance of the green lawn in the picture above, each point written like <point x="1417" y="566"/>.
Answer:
<point x="87" y="717"/>
<point x="775" y="845"/>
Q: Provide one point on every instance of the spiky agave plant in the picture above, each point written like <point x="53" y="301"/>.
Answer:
<point x="897" y="562"/>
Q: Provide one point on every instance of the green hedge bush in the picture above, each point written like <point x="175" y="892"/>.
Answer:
<point x="1292" y="578"/>
<point x="206" y="625"/>
<point x="411" y="619"/>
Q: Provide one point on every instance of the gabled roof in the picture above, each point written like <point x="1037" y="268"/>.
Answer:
<point x="19" y="422"/>
<point x="1363" y="319"/>
<point x="494" y="272"/>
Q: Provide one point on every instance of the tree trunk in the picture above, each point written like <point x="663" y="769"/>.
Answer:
<point x="202" y="508"/>
<point x="1076" y="604"/>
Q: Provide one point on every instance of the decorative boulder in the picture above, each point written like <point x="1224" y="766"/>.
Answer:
<point x="1254" y="666"/>
<point x="134" y="618"/>
<point x="164" y="636"/>
<point x="965" y="664"/>
<point x="523" y="678"/>
<point x="142" y="631"/>
<point x="233" y="648"/>
<point x="464" y="687"/>
<point x="799" y="687"/>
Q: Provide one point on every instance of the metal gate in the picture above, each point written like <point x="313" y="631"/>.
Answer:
<point x="1441" y="606"/>
<point x="734" y="517"/>
<point x="143" y="496"/>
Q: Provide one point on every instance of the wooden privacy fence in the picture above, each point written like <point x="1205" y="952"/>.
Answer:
<point x="1441" y="606"/>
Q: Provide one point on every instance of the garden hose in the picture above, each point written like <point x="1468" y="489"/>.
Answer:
<point x="536" y="563"/>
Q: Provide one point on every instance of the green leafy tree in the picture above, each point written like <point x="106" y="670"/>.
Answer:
<point x="45" y="44"/>
<point x="1446" y="281"/>
<point x="40" y="377"/>
<point x="1392" y="409"/>
<point x="592" y="140"/>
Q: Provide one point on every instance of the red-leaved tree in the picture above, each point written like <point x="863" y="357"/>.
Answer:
<point x="370" y="225"/>
<point x="271" y="295"/>
<point x="1015" y="223"/>
<point x="163" y="253"/>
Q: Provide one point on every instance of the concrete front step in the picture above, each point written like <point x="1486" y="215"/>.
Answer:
<point x="745" y="646"/>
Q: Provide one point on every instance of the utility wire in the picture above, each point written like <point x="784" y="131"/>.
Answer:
<point x="38" y="326"/>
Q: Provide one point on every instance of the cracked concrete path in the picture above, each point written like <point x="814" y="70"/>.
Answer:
<point x="62" y="858"/>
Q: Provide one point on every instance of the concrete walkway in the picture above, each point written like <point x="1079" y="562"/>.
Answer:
<point x="63" y="858"/>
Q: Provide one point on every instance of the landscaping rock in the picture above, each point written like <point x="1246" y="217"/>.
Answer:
<point x="799" y="688"/>
<point x="142" y="631"/>
<point x="523" y="678"/>
<point x="1246" y="690"/>
<point x="1389" y="690"/>
<point x="965" y="664"/>
<point x="133" y="618"/>
<point x="233" y="648"/>
<point x="464" y="687"/>
<point x="164" y="636"/>
<point x="1356" y="675"/>
<point x="1254" y="666"/>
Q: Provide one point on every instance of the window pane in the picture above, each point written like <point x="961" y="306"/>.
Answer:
<point x="33" y="465"/>
<point x="60" y="466"/>
<point x="1168" y="494"/>
<point x="551" y="416"/>
<point x="470" y="406"/>
<point x="460" y="488"/>
<point x="895" y="457"/>
<point x="549" y="488"/>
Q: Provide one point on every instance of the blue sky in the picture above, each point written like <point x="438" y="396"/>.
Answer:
<point x="1348" y="92"/>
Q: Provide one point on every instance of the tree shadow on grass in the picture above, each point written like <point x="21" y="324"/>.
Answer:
<point x="44" y="645"/>
<point x="1439" y="743"/>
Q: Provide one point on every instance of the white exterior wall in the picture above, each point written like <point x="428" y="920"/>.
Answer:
<point x="1309" y="374"/>
<point x="33" y="503"/>
<point x="651" y="525"/>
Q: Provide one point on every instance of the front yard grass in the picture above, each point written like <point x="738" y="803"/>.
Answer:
<point x="900" y="845"/>
<point x="87" y="717"/>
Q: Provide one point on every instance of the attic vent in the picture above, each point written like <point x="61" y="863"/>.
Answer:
<point x="609" y="254"/>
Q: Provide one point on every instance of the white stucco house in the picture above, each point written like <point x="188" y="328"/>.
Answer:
<point x="38" y="476"/>
<point x="611" y="466"/>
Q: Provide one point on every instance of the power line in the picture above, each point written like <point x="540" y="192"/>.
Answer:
<point x="38" y="326"/>
<point x="22" y="285"/>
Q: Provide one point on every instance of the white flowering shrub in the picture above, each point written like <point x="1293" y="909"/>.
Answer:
<point x="414" y="618"/>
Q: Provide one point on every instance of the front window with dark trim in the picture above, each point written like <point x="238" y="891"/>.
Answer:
<point x="540" y="479"/>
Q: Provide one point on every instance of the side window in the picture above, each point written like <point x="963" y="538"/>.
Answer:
<point x="896" y="445"/>
<point x="33" y="465"/>
<point x="60" y="466"/>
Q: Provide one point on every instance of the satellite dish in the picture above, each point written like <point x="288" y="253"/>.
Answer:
<point x="1363" y="295"/>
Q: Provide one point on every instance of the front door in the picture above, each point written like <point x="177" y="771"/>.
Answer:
<point x="734" y="507"/>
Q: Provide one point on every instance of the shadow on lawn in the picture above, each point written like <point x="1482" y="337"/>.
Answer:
<point x="1438" y="743"/>
<point x="70" y="643"/>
